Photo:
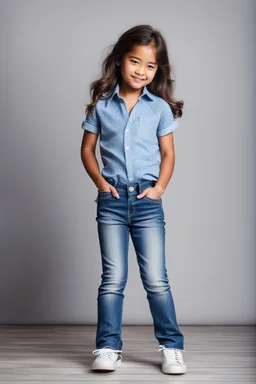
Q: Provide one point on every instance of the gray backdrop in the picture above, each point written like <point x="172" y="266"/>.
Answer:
<point x="50" y="261"/>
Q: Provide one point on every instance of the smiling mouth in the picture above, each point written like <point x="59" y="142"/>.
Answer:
<point x="137" y="78"/>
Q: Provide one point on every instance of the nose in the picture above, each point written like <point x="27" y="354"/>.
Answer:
<point x="139" y="72"/>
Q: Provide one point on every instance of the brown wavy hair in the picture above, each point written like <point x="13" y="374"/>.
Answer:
<point x="162" y="84"/>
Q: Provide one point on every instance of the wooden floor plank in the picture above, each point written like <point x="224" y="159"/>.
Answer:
<point x="55" y="354"/>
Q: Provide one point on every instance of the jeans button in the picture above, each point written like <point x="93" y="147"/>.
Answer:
<point x="131" y="189"/>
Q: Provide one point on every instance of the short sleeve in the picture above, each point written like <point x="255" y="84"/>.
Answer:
<point x="167" y="124"/>
<point x="91" y="123"/>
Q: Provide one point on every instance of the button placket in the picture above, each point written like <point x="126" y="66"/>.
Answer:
<point x="127" y="141"/>
<point x="127" y="151"/>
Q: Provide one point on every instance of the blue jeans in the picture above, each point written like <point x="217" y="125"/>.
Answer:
<point x="144" y="219"/>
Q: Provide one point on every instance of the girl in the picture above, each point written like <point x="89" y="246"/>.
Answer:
<point x="133" y="111"/>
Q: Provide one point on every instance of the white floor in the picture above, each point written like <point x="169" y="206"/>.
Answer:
<point x="59" y="354"/>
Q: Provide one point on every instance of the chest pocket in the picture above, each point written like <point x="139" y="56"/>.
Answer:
<point x="146" y="128"/>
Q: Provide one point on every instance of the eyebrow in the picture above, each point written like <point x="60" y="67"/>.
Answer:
<point x="151" y="62"/>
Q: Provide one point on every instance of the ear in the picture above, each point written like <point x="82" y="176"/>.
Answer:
<point x="118" y="62"/>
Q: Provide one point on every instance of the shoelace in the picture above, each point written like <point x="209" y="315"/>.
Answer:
<point x="172" y="353"/>
<point x="106" y="351"/>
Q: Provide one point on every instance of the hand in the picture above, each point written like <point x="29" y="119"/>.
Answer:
<point x="152" y="192"/>
<point x="106" y="187"/>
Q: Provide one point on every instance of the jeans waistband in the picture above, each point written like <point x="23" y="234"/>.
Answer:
<point x="138" y="185"/>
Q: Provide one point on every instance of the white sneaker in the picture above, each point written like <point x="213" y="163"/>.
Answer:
<point x="107" y="359"/>
<point x="172" y="360"/>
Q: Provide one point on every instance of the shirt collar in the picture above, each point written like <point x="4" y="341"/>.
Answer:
<point x="145" y="92"/>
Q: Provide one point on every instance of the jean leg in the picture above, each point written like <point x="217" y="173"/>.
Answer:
<point x="148" y="236"/>
<point x="114" y="242"/>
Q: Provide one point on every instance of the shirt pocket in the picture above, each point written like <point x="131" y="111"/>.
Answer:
<point x="146" y="128"/>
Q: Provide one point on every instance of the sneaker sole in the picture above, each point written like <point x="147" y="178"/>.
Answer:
<point x="174" y="370"/>
<point x="107" y="366"/>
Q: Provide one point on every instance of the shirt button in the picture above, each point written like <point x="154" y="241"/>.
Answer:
<point x="127" y="147"/>
<point x="131" y="189"/>
<point x="127" y="130"/>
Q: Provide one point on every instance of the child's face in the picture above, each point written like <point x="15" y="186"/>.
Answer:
<point x="139" y="66"/>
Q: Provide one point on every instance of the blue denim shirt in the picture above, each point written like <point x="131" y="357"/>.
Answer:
<point x="129" y="145"/>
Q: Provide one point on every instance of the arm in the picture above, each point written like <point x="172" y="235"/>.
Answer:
<point x="165" y="129"/>
<point x="91" y="164"/>
<point x="166" y="167"/>
<point x="91" y="126"/>
<point x="88" y="157"/>
<point x="166" y="144"/>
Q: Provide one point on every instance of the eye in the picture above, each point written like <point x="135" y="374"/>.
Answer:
<point x="136" y="62"/>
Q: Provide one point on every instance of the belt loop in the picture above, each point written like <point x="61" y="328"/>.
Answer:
<point x="140" y="187"/>
<point x="115" y="183"/>
<point x="111" y="181"/>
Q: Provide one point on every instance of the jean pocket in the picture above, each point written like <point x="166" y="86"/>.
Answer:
<point x="151" y="200"/>
<point x="103" y="195"/>
<point x="104" y="191"/>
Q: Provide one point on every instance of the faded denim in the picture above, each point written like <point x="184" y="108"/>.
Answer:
<point x="144" y="220"/>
